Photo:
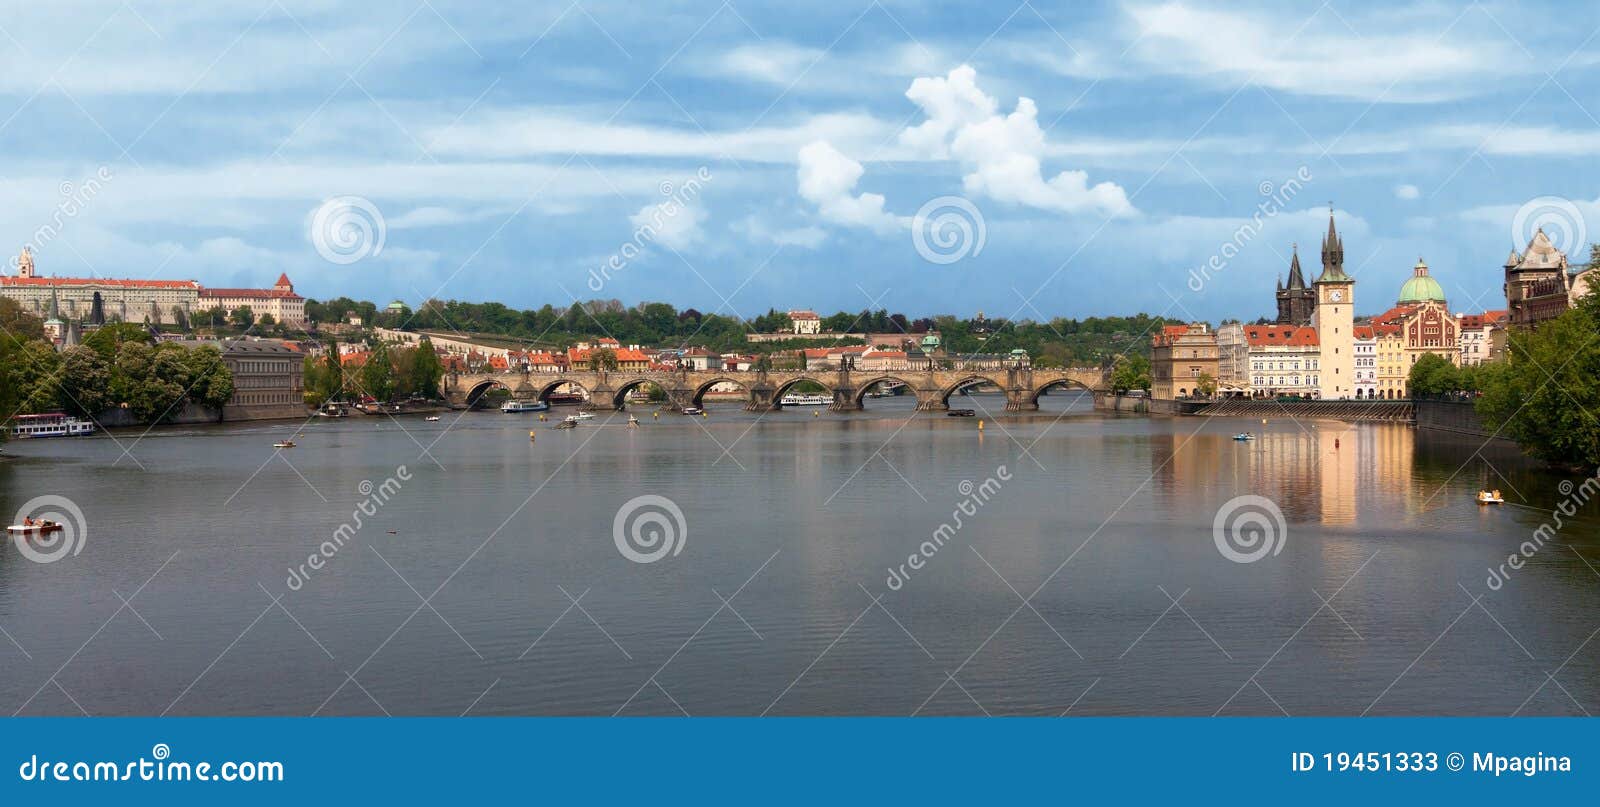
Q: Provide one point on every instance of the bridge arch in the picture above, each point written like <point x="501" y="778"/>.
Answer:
<point x="969" y="381"/>
<point x="706" y="385"/>
<point x="548" y="386"/>
<point x="482" y="388"/>
<point x="1066" y="382"/>
<point x="619" y="399"/>
<point x="783" y="387"/>
<point x="862" y="388"/>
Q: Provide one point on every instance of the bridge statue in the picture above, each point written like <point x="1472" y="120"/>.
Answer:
<point x="764" y="389"/>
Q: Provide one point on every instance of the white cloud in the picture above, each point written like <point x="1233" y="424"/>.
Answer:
<point x="525" y="133"/>
<point x="1407" y="192"/>
<point x="1322" y="56"/>
<point x="676" y="226"/>
<point x="772" y="62"/>
<point x="758" y="229"/>
<point x="1001" y="154"/>
<point x="828" y="179"/>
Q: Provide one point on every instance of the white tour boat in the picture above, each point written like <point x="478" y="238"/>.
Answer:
<point x="53" y="424"/>
<point x="793" y="399"/>
<point x="515" y="407"/>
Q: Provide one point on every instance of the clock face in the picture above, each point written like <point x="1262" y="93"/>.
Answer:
<point x="1336" y="295"/>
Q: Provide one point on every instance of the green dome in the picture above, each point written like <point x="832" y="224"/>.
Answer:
<point x="1421" y="288"/>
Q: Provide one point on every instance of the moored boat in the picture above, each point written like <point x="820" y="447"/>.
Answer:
<point x="691" y="410"/>
<point x="50" y="424"/>
<point x="960" y="413"/>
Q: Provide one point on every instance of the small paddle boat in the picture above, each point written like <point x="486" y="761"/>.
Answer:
<point x="1243" y="436"/>
<point x="40" y="527"/>
<point x="283" y="444"/>
<point x="432" y="418"/>
<point x="1490" y="497"/>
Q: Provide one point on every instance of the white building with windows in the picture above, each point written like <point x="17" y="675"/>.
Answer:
<point x="1284" y="360"/>
<point x="1365" y="347"/>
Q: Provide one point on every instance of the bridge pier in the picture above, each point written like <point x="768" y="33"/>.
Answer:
<point x="931" y="400"/>
<point x="762" y="398"/>
<point x="845" y="399"/>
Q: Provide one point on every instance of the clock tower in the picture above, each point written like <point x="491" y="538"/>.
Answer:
<point x="1334" y="319"/>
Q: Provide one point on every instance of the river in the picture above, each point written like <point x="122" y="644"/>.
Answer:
<point x="1085" y="576"/>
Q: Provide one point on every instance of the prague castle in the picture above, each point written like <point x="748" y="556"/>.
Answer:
<point x="158" y="302"/>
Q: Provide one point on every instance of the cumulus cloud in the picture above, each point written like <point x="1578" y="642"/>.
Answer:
<point x="1407" y="192"/>
<point x="676" y="227"/>
<point x="828" y="179"/>
<point x="1001" y="153"/>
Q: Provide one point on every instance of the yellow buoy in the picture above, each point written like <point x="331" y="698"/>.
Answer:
<point x="532" y="436"/>
<point x="705" y="414"/>
<point x="815" y="413"/>
<point x="980" y="425"/>
<point x="656" y="415"/>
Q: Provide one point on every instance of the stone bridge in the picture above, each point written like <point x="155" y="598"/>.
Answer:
<point x="764" y="390"/>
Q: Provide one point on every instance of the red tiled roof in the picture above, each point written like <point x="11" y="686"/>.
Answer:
<point x="257" y="293"/>
<point x="803" y="314"/>
<point x="1395" y="314"/>
<point x="283" y="280"/>
<point x="629" y="354"/>
<point x="95" y="281"/>
<point x="1294" y="335"/>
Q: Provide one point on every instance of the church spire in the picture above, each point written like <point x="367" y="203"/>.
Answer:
<point x="1332" y="254"/>
<point x="1297" y="279"/>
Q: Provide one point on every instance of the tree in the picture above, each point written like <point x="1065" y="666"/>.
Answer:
<point x="1131" y="373"/>
<point x="1432" y="375"/>
<point x="19" y="323"/>
<point x="426" y="370"/>
<point x="603" y="359"/>
<point x="107" y="339"/>
<point x="242" y="317"/>
<point x="180" y="317"/>
<point x="35" y="366"/>
<point x="267" y="320"/>
<point x="210" y="381"/>
<point x="85" y="381"/>
<point x="377" y="375"/>
<point x="1544" y="394"/>
<point x="1205" y="385"/>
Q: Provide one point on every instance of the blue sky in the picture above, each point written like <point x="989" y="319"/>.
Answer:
<point x="1103" y="151"/>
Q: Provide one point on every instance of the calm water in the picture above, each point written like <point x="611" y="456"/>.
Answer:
<point x="795" y="528"/>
